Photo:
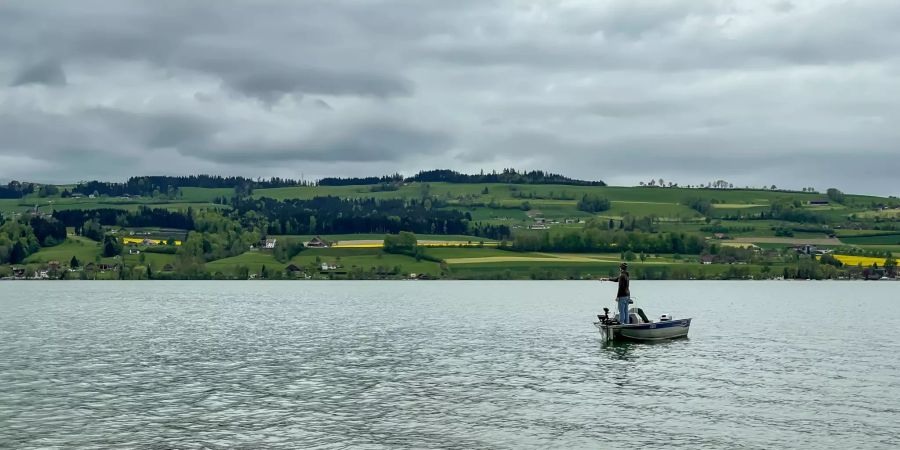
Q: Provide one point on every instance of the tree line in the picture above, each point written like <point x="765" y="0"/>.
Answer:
<point x="20" y="237"/>
<point x="511" y="176"/>
<point x="142" y="217"/>
<point x="147" y="185"/>
<point x="16" y="189"/>
<point x="335" y="215"/>
<point x="337" y="181"/>
<point x="601" y="240"/>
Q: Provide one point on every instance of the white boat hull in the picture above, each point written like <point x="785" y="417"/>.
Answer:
<point x="654" y="331"/>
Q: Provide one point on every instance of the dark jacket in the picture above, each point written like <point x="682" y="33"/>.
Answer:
<point x="623" y="284"/>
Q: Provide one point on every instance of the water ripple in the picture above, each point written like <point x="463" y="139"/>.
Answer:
<point x="441" y="365"/>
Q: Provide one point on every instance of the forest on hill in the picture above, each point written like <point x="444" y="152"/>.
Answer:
<point x="506" y="224"/>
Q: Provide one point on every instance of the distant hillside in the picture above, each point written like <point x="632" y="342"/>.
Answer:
<point x="509" y="176"/>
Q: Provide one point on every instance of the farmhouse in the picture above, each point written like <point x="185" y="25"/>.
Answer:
<point x="540" y="224"/>
<point x="317" y="242"/>
<point x="806" y="249"/>
<point x="268" y="243"/>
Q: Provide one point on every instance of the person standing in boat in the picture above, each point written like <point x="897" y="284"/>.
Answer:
<point x="623" y="297"/>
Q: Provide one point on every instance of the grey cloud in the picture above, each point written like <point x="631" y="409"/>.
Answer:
<point x="269" y="82"/>
<point x="629" y="108"/>
<point x="378" y="141"/>
<point x="46" y="72"/>
<point x="619" y="90"/>
<point x="375" y="141"/>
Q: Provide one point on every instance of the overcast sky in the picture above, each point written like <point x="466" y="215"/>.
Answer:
<point x="787" y="92"/>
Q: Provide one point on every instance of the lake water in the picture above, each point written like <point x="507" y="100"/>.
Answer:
<point x="445" y="364"/>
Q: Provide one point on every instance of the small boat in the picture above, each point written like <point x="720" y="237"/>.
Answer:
<point x="640" y="328"/>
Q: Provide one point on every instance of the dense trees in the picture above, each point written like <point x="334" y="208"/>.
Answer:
<point x="387" y="179"/>
<point x="142" y="217"/>
<point x="835" y="195"/>
<point x="402" y="243"/>
<point x="506" y="176"/>
<point x="111" y="246"/>
<point x="47" y="231"/>
<point x="593" y="239"/>
<point x="335" y="215"/>
<point x="699" y="204"/>
<point x="593" y="203"/>
<point x="15" y="189"/>
<point x="287" y="249"/>
<point x="147" y="185"/>
<point x="18" y="240"/>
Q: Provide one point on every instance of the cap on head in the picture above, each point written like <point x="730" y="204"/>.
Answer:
<point x="623" y="265"/>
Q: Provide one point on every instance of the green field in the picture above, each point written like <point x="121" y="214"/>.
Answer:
<point x="895" y="249"/>
<point x="84" y="249"/>
<point x="886" y="239"/>
<point x="155" y="260"/>
<point x="496" y="203"/>
<point x="253" y="260"/>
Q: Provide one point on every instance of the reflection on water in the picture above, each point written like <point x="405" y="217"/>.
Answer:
<point x="439" y="364"/>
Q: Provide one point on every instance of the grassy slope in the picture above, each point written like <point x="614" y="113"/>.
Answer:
<point x="366" y="259"/>
<point x="82" y="248"/>
<point x="155" y="260"/>
<point x="887" y="239"/>
<point x="664" y="203"/>
<point x="348" y="258"/>
<point x="253" y="260"/>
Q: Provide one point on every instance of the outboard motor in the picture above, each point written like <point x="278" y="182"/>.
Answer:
<point x="605" y="319"/>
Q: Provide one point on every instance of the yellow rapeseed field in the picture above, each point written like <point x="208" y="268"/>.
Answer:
<point x="866" y="261"/>
<point x="134" y="240"/>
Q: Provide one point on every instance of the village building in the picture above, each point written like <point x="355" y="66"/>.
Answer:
<point x="317" y="242"/>
<point x="268" y="243"/>
<point x="540" y="224"/>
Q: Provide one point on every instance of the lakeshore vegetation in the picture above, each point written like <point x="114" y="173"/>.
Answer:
<point x="439" y="224"/>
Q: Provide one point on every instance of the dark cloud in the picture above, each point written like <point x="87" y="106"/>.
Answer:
<point x="45" y="72"/>
<point x="323" y="104"/>
<point x="773" y="92"/>
<point x="368" y="142"/>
